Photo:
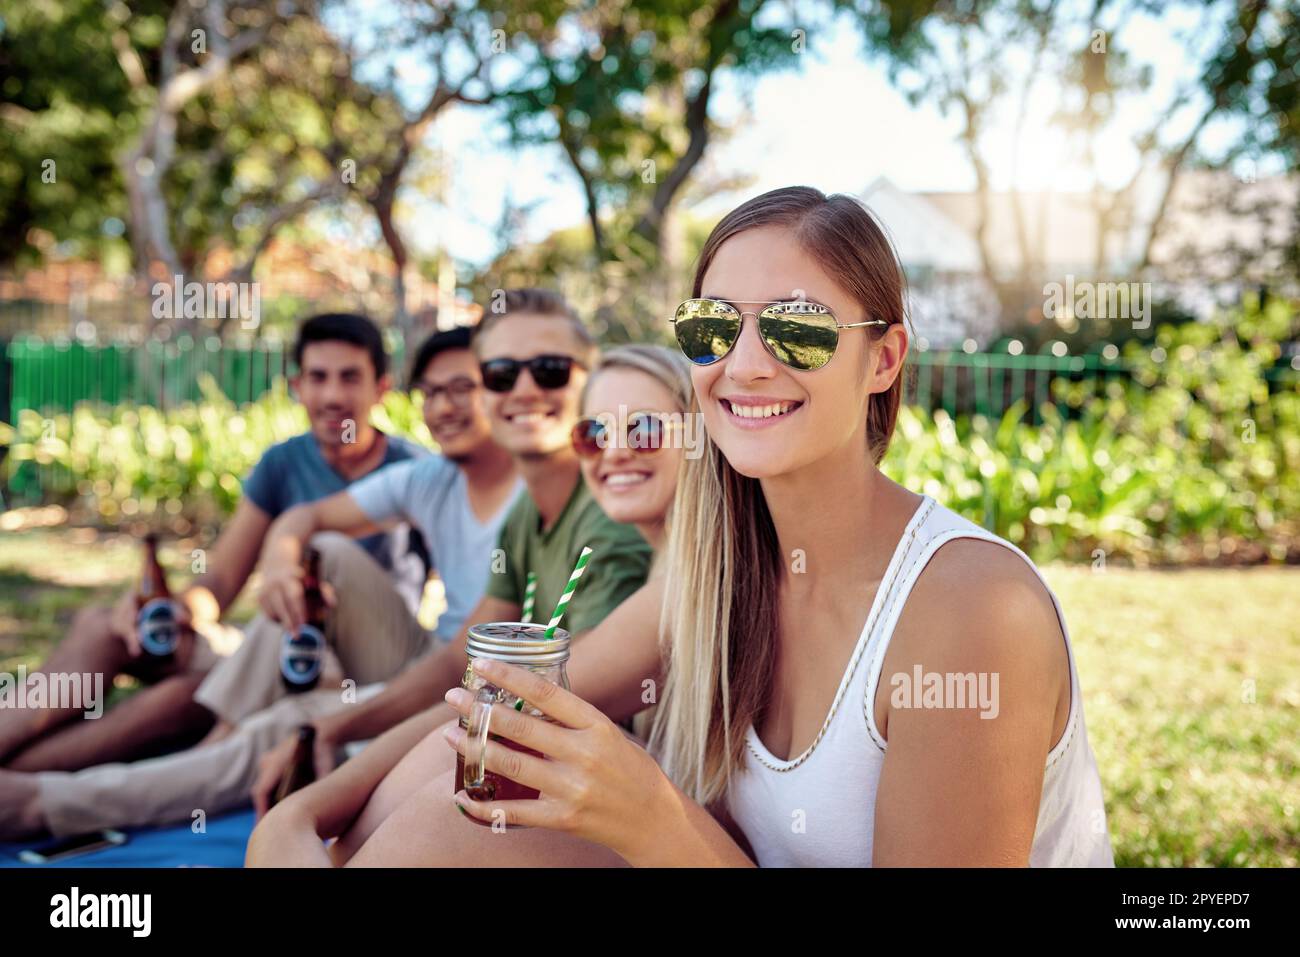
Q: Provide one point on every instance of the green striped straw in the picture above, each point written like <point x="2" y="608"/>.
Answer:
<point x="530" y="593"/>
<point x="530" y="596"/>
<point x="569" y="589"/>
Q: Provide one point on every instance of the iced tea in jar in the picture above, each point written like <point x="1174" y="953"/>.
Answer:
<point x="516" y="643"/>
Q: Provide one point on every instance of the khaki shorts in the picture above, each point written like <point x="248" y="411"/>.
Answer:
<point x="371" y="633"/>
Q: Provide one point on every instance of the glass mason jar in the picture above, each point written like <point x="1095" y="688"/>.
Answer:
<point x="516" y="643"/>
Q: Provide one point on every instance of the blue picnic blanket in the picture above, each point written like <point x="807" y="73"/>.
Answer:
<point x="220" y="845"/>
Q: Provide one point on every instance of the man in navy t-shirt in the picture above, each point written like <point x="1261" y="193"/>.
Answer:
<point x="342" y="373"/>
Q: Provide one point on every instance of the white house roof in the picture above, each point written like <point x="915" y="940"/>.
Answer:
<point x="1211" y="220"/>
<point x="922" y="234"/>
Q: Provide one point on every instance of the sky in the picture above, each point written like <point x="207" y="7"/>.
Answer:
<point x="835" y="122"/>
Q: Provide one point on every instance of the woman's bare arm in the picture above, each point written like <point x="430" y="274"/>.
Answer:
<point x="616" y="666"/>
<point x="960" y="785"/>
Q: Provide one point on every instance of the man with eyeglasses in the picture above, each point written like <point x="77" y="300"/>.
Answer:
<point x="533" y="354"/>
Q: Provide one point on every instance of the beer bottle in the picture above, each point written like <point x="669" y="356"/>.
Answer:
<point x="302" y="653"/>
<point x="302" y="769"/>
<point x="156" y="619"/>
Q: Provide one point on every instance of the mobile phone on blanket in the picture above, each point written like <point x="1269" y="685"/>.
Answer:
<point x="74" y="846"/>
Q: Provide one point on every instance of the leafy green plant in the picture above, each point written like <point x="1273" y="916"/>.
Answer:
<point x="135" y="460"/>
<point x="1196" y="459"/>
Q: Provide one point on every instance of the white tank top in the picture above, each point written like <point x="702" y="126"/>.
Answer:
<point x="818" y="808"/>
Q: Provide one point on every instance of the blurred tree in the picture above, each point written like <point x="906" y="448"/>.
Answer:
<point x="987" y="61"/>
<point x="237" y="118"/>
<point x="242" y="116"/>
<point x="625" y="90"/>
<point x="1224" y="85"/>
<point x="1274" y="95"/>
<point x="180" y="85"/>
<point x="64" y="106"/>
<point x="203" y="41"/>
<point x="379" y="114"/>
<point x="1253" y="81"/>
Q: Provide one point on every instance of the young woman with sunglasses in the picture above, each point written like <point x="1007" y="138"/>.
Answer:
<point x="629" y="439"/>
<point x="806" y="606"/>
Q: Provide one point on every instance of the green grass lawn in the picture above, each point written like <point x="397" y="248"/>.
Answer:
<point x="1191" y="688"/>
<point x="1191" y="684"/>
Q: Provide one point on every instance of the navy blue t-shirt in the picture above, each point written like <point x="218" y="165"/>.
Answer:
<point x="294" y="471"/>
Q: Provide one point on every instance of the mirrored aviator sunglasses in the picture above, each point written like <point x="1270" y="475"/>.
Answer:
<point x="801" y="335"/>
<point x="645" y="433"/>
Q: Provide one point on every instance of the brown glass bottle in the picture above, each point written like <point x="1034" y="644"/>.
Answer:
<point x="302" y="769"/>
<point x="156" y="621"/>
<point x="302" y="653"/>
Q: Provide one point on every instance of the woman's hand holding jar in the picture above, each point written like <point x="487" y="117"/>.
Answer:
<point x="595" y="782"/>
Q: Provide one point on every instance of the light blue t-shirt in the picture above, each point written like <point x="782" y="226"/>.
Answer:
<point x="433" y="495"/>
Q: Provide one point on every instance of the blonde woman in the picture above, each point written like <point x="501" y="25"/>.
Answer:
<point x="634" y="435"/>
<point x="852" y="674"/>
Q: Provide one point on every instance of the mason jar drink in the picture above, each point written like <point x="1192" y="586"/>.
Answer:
<point x="516" y="643"/>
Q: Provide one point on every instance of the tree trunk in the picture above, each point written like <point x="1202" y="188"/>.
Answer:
<point x="383" y="207"/>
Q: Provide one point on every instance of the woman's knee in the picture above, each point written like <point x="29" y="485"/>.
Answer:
<point x="426" y="829"/>
<point x="431" y="758"/>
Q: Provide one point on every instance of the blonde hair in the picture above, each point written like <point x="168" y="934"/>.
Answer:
<point x="672" y="370"/>
<point x="720" y="616"/>
<point x="668" y="367"/>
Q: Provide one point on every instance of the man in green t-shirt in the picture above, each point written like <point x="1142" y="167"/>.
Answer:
<point x="534" y="354"/>
<point x="529" y="544"/>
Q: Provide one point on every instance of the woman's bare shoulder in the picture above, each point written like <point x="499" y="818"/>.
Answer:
<point x="980" y="611"/>
<point x="978" y="602"/>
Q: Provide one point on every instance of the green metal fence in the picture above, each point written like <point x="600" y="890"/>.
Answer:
<point x="53" y="376"/>
<point x="988" y="383"/>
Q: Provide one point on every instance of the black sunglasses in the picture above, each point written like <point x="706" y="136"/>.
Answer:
<point x="802" y="335"/>
<point x="548" y="371"/>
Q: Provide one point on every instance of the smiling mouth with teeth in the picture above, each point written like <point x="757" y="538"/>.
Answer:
<point x="527" y="417"/>
<point x="771" y="410"/>
<point x="623" y="479"/>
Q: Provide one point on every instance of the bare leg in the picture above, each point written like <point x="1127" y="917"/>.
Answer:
<point x="426" y="830"/>
<point x="429" y="759"/>
<point x="89" y="648"/>
<point x="290" y="834"/>
<point x="155" y="720"/>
